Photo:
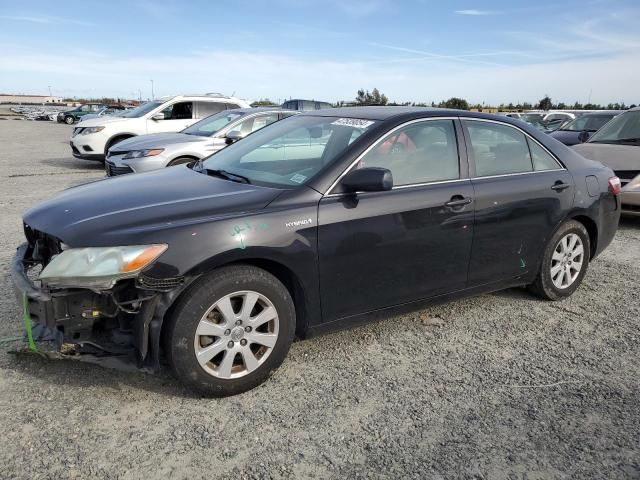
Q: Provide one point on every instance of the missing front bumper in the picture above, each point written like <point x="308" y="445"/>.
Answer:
<point x="113" y="328"/>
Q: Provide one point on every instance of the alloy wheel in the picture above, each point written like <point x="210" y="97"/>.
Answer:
<point x="567" y="261"/>
<point x="236" y="334"/>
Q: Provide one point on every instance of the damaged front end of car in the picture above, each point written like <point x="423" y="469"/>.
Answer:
<point x="93" y="303"/>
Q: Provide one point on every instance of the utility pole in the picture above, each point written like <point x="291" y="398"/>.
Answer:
<point x="49" y="87"/>
<point x="152" y="94"/>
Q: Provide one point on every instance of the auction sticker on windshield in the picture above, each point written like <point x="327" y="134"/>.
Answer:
<point x="353" y="122"/>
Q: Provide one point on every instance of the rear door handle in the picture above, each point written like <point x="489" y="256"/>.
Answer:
<point x="559" y="186"/>
<point x="458" y="201"/>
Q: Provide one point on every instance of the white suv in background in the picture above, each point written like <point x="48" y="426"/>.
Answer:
<point x="92" y="139"/>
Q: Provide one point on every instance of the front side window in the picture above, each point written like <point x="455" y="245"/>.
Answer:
<point x="179" y="111"/>
<point x="290" y="152"/>
<point x="498" y="149"/>
<point x="421" y="152"/>
<point x="212" y="124"/>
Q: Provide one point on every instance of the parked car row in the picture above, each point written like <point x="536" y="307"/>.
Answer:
<point x="92" y="139"/>
<point x="321" y="219"/>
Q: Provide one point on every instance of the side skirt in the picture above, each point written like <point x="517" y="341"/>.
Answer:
<point x="376" y="315"/>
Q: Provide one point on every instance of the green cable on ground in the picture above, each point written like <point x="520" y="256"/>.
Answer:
<point x="27" y="323"/>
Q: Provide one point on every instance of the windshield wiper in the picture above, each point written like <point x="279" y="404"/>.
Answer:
<point x="234" y="177"/>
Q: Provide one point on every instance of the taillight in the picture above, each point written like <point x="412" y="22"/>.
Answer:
<point x="615" y="186"/>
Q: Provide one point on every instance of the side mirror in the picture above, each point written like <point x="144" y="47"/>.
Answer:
<point x="370" y="179"/>
<point x="158" y="116"/>
<point x="233" y="137"/>
<point x="584" y="136"/>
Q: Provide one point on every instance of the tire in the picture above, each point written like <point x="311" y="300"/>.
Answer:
<point x="237" y="364"/>
<point x="180" y="161"/>
<point x="566" y="277"/>
<point x="69" y="120"/>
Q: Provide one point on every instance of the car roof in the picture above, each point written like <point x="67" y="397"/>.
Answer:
<point x="604" y="113"/>
<point x="386" y="113"/>
<point x="259" y="109"/>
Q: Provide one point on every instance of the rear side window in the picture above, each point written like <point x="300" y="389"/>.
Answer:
<point x="421" y="152"/>
<point x="498" y="149"/>
<point x="541" y="158"/>
<point x="206" y="109"/>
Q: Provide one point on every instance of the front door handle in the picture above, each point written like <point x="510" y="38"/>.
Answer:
<point x="560" y="186"/>
<point x="458" y="201"/>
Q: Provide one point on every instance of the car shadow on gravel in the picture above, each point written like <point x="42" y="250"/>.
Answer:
<point x="628" y="221"/>
<point x="74" y="163"/>
<point x="74" y="373"/>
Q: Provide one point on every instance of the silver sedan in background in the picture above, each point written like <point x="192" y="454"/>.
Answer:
<point x="152" y="152"/>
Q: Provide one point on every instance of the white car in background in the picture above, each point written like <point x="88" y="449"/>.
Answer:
<point x="160" y="150"/>
<point x="92" y="139"/>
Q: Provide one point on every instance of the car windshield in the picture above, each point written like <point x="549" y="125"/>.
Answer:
<point x="288" y="153"/>
<point x="141" y="110"/>
<point x="624" y="128"/>
<point x="588" y="123"/>
<point x="210" y="125"/>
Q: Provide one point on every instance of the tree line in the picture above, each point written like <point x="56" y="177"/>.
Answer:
<point x="375" y="97"/>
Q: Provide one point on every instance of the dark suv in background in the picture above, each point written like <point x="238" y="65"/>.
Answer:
<point x="71" y="116"/>
<point x="580" y="129"/>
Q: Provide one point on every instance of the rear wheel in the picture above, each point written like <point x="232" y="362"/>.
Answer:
<point x="230" y="330"/>
<point x="565" y="262"/>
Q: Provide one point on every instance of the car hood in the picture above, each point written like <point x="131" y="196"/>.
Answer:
<point x="157" y="140"/>
<point x="566" y="137"/>
<point x="134" y="208"/>
<point x="614" y="156"/>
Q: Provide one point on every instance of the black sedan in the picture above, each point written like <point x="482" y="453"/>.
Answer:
<point x="320" y="221"/>
<point x="579" y="130"/>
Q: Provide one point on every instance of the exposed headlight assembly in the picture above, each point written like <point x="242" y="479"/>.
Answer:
<point x="143" y="153"/>
<point x="90" y="130"/>
<point x="98" y="268"/>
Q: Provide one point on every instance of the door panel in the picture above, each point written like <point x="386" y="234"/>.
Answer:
<point x="386" y="248"/>
<point x="515" y="217"/>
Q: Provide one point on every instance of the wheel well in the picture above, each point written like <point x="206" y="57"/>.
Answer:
<point x="592" y="230"/>
<point x="113" y="140"/>
<point x="191" y="157"/>
<point x="290" y="281"/>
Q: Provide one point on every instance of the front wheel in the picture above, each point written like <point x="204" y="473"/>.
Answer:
<point x="180" y="161"/>
<point x="564" y="263"/>
<point x="230" y="330"/>
<point x="69" y="120"/>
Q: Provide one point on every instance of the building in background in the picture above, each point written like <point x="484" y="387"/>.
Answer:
<point x="39" y="99"/>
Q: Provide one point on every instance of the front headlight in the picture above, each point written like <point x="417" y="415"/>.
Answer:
<point x="89" y="130"/>
<point x="143" y="153"/>
<point x="98" y="267"/>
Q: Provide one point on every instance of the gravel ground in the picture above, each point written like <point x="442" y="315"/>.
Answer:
<point x="497" y="386"/>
